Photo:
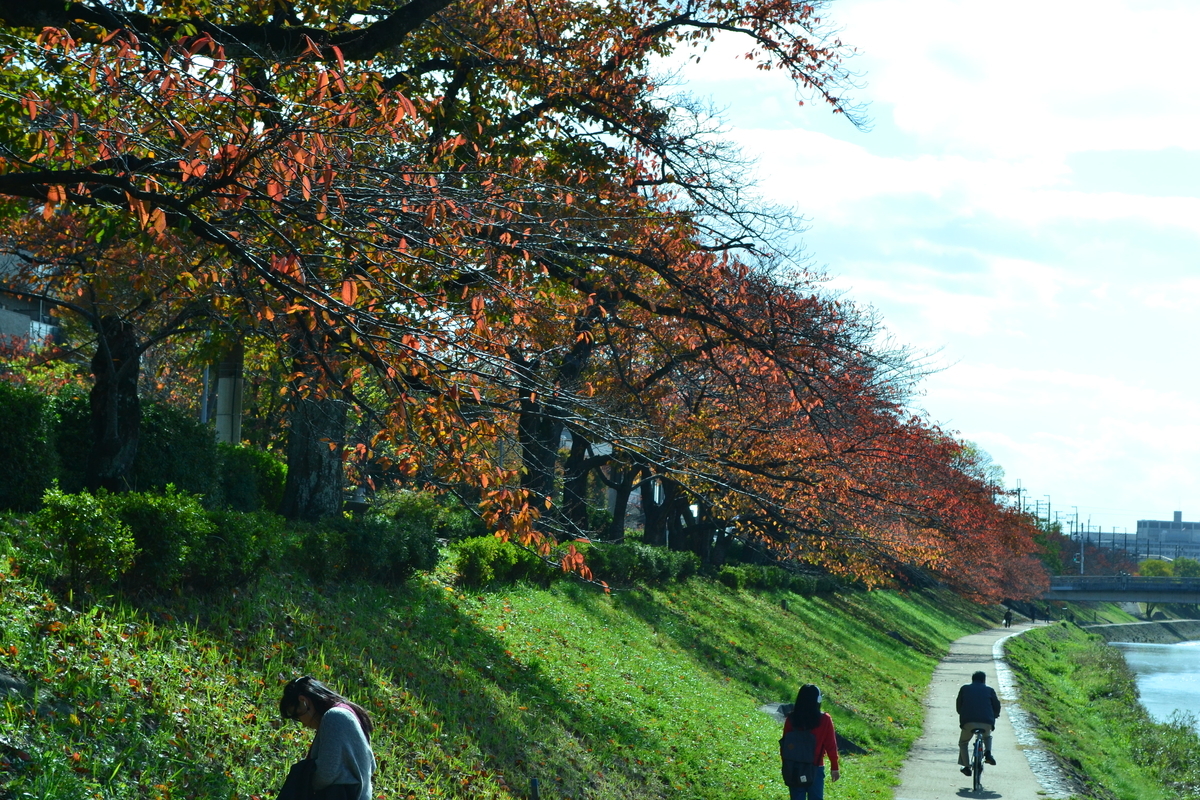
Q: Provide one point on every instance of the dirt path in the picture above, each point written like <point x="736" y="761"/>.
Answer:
<point x="1023" y="770"/>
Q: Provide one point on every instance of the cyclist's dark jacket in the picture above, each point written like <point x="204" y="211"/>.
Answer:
<point x="977" y="702"/>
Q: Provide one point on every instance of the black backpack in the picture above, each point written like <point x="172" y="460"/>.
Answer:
<point x="797" y="752"/>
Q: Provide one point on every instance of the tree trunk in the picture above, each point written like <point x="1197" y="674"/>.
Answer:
<point x="721" y="541"/>
<point x="543" y="409"/>
<point x="678" y="516"/>
<point x="116" y="412"/>
<point x="314" y="458"/>
<point x="626" y="477"/>
<point x="538" y="432"/>
<point x="700" y="534"/>
<point x="575" y="479"/>
<point x="654" y="526"/>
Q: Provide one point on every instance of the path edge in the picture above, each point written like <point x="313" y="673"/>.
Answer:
<point x="1045" y="766"/>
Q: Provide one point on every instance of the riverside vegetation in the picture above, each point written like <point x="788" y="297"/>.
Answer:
<point x="1086" y="700"/>
<point x="650" y="692"/>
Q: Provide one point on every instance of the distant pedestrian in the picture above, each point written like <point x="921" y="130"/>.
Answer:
<point x="1008" y="617"/>
<point x="1032" y="615"/>
<point x="807" y="716"/>
<point x="977" y="707"/>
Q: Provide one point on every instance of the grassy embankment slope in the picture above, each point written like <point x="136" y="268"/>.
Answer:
<point x="1086" y="701"/>
<point x="647" y="694"/>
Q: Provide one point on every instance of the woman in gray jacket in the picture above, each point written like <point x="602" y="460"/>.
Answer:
<point x="341" y="754"/>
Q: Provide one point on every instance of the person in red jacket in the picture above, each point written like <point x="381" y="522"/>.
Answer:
<point x="806" y="715"/>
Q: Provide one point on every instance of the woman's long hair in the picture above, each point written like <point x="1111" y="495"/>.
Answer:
<point x="323" y="698"/>
<point x="806" y="714"/>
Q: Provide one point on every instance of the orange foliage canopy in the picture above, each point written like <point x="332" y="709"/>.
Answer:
<point x="482" y="223"/>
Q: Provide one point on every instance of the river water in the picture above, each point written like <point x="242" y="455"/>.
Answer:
<point x="1168" y="677"/>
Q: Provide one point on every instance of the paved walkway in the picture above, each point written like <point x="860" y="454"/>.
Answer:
<point x="1023" y="771"/>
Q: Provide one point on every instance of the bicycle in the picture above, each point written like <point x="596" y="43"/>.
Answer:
<point x="977" y="761"/>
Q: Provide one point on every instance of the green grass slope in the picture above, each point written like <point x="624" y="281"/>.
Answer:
<point x="647" y="694"/>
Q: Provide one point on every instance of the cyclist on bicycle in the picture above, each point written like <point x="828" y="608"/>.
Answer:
<point x="977" y="706"/>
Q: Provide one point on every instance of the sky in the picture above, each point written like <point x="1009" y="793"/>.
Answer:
<point x="1026" y="204"/>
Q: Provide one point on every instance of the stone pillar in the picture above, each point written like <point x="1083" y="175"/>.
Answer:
<point x="229" y="395"/>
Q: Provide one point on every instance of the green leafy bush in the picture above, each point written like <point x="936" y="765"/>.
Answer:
<point x="240" y="545"/>
<point x="633" y="562"/>
<point x="250" y="479"/>
<point x="371" y="547"/>
<point x="96" y="545"/>
<point x="485" y="560"/>
<point x="27" y="427"/>
<point x="73" y="441"/>
<point x="166" y="527"/>
<point x="599" y="519"/>
<point x="444" y="515"/>
<point x="176" y="449"/>
<point x="772" y="578"/>
<point x="733" y="576"/>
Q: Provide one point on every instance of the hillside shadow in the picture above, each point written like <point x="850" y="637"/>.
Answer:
<point x="523" y="724"/>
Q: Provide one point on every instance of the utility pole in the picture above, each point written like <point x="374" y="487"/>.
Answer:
<point x="1075" y="528"/>
<point x="1047" y="508"/>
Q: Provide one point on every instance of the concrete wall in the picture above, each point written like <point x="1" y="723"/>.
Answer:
<point x="1165" y="632"/>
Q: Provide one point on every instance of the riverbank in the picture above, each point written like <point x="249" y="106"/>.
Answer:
<point x="1084" y="700"/>
<point x="1170" y="631"/>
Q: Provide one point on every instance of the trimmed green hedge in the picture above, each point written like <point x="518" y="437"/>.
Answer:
<point x="772" y="578"/>
<point x="176" y="449"/>
<point x="375" y="548"/>
<point x="632" y="562"/>
<point x="486" y="560"/>
<point x="250" y="479"/>
<point x="28" y="425"/>
<point x="141" y="541"/>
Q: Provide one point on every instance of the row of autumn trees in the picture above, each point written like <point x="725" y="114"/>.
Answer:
<point x="456" y="231"/>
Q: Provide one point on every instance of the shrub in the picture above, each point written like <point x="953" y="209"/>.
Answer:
<point x="27" y="427"/>
<point x="73" y="441"/>
<point x="28" y="543"/>
<point x="372" y="547"/>
<point x="444" y="515"/>
<point x="166" y="527"/>
<point x="240" y="545"/>
<point x="174" y="448"/>
<point x="599" y="519"/>
<point x="486" y="559"/>
<point x="808" y="585"/>
<point x="250" y="479"/>
<point x="95" y="543"/>
<point x="633" y="562"/>
<point x="768" y="577"/>
<point x="733" y="576"/>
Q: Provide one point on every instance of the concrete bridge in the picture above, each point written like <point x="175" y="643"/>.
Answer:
<point x="1124" y="588"/>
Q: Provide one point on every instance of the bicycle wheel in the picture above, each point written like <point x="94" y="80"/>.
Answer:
<point x="977" y="764"/>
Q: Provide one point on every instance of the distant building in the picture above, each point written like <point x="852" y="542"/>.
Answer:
<point x="21" y="318"/>
<point x="1173" y="538"/>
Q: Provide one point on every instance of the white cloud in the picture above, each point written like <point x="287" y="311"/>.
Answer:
<point x="1059" y="287"/>
<point x="1060" y="78"/>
